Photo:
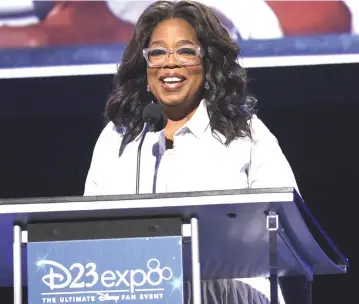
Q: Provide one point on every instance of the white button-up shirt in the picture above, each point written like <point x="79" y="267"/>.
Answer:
<point x="198" y="161"/>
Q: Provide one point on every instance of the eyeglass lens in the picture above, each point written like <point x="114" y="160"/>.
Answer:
<point x="185" y="55"/>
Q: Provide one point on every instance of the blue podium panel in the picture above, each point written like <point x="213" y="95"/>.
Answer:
<point x="138" y="270"/>
<point x="233" y="236"/>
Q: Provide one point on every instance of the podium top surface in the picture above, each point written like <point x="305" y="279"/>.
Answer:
<point x="244" y="235"/>
<point x="146" y="201"/>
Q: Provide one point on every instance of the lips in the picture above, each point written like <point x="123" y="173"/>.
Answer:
<point x="172" y="81"/>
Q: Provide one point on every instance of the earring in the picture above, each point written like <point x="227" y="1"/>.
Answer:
<point x="148" y="90"/>
<point x="206" y="85"/>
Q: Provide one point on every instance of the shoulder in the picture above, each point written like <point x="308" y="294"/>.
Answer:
<point x="260" y="131"/>
<point x="110" y="132"/>
<point x="110" y="136"/>
<point x="107" y="145"/>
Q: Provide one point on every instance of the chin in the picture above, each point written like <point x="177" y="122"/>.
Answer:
<point x="172" y="101"/>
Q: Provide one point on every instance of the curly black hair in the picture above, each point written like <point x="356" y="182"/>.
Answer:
<point x="228" y="102"/>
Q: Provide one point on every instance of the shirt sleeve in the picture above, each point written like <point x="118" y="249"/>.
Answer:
<point x="268" y="167"/>
<point x="91" y="187"/>
<point x="100" y="158"/>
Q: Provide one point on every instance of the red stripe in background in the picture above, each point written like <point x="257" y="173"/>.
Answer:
<point x="312" y="17"/>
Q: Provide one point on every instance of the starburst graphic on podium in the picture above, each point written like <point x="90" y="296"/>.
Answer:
<point x="176" y="284"/>
<point x="40" y="266"/>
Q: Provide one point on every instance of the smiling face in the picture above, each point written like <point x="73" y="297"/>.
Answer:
<point x="172" y="84"/>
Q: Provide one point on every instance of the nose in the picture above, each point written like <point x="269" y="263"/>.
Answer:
<point x="171" y="61"/>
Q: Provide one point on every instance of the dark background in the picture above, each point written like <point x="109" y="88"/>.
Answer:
<point x="48" y="128"/>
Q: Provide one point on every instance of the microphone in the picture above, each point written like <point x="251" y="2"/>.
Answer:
<point x="155" y="120"/>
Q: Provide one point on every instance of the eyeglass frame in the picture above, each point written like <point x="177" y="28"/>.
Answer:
<point x="145" y="51"/>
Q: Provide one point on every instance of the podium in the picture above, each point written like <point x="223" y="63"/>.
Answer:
<point x="223" y="235"/>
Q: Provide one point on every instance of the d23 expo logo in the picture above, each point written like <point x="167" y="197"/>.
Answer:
<point x="86" y="284"/>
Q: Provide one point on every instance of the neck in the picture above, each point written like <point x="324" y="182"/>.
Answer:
<point x="175" y="122"/>
<point x="173" y="126"/>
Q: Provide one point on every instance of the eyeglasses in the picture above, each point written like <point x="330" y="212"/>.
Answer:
<point x="185" y="55"/>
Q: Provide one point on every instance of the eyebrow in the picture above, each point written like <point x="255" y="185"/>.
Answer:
<point x="180" y="42"/>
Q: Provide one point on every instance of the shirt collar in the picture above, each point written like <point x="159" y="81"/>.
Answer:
<point x="199" y="122"/>
<point x="197" y="125"/>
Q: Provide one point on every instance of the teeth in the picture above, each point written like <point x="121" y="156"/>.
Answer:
<point x="172" y="79"/>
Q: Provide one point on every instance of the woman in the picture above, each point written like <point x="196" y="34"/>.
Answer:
<point x="183" y="59"/>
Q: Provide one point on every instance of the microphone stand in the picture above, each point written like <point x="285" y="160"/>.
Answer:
<point x="138" y="172"/>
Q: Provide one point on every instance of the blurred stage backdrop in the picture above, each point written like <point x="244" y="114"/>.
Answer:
<point x="302" y="59"/>
<point x="44" y="38"/>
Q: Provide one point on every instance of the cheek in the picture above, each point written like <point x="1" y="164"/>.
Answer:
<point x="151" y="75"/>
<point x="152" y="80"/>
<point x="197" y="76"/>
